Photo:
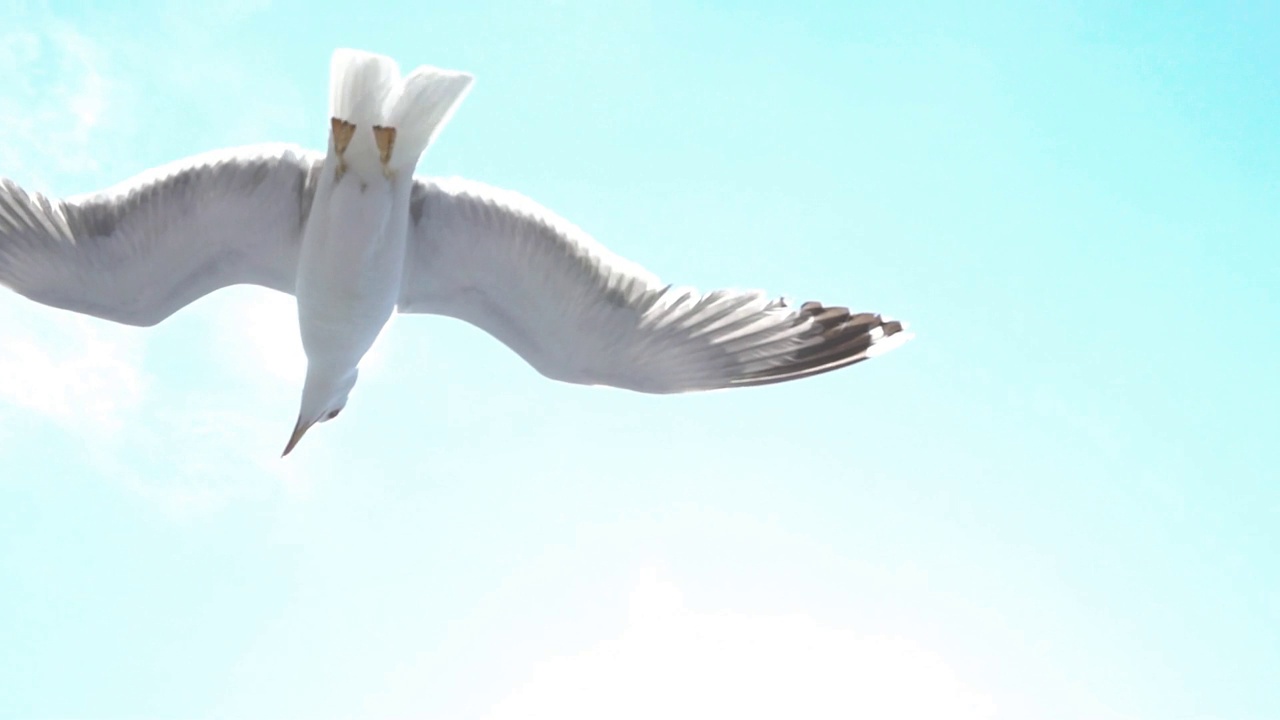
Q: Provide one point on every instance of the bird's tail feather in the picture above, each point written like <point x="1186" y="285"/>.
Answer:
<point x="419" y="109"/>
<point x="360" y="84"/>
<point x="400" y="116"/>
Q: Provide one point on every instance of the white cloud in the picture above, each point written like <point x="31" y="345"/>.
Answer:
<point x="674" y="663"/>
<point x="55" y="95"/>
<point x="256" y="332"/>
<point x="68" y="368"/>
<point x="173" y="436"/>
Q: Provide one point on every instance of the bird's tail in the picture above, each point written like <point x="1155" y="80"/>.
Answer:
<point x="419" y="109"/>
<point x="359" y="86"/>
<point x="379" y="117"/>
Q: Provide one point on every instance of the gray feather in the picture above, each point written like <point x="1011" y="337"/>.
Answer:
<point x="140" y="251"/>
<point x="579" y="313"/>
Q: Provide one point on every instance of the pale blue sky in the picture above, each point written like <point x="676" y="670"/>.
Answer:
<point x="1059" y="501"/>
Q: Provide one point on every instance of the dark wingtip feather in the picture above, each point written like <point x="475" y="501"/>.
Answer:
<point x="843" y="339"/>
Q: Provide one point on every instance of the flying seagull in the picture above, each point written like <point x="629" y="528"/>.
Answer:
<point x="355" y="236"/>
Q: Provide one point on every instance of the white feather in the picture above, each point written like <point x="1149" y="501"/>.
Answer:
<point x="419" y="108"/>
<point x="360" y="84"/>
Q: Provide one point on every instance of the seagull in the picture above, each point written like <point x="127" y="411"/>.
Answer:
<point x="355" y="236"/>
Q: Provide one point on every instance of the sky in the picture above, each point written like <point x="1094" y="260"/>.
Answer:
<point x="1059" y="501"/>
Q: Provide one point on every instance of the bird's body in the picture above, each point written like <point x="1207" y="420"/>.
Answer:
<point x="349" y="267"/>
<point x="356" y="237"/>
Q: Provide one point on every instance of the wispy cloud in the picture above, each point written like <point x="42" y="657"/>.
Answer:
<point x="672" y="662"/>
<point x="256" y="333"/>
<point x="56" y="93"/>
<point x="81" y="374"/>
<point x="189" y="437"/>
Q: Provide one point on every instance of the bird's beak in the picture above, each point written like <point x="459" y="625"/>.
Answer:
<point x="298" y="431"/>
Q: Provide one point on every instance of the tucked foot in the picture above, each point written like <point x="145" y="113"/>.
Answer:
<point x="385" y="137"/>
<point x="343" y="131"/>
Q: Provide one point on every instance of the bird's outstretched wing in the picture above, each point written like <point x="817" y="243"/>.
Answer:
<point x="579" y="313"/>
<point x="140" y="251"/>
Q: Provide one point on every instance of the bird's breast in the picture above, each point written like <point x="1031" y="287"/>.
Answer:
<point x="350" y="266"/>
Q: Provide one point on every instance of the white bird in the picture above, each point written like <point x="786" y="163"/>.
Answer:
<point x="355" y="237"/>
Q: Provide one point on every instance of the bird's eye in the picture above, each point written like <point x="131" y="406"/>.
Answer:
<point x="333" y="414"/>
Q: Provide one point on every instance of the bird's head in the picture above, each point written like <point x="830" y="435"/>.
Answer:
<point x="323" y="396"/>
